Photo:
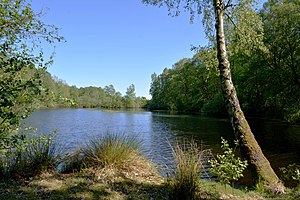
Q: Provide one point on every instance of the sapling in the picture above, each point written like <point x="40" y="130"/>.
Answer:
<point x="226" y="166"/>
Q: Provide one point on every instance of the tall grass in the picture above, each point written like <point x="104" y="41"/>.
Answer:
<point x="190" y="160"/>
<point x="30" y="156"/>
<point x="109" y="149"/>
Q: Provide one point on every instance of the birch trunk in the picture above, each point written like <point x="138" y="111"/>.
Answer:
<point x="249" y="146"/>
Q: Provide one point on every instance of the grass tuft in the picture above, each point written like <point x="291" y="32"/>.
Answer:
<point x="110" y="149"/>
<point x="189" y="159"/>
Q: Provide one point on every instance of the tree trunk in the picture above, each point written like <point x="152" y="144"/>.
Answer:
<point x="249" y="146"/>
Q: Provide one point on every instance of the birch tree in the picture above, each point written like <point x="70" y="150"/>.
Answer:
<point x="214" y="12"/>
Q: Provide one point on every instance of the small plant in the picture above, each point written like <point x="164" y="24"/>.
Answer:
<point x="189" y="160"/>
<point x="292" y="171"/>
<point x="226" y="166"/>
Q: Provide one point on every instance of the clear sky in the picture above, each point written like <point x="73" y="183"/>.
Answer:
<point x="118" y="42"/>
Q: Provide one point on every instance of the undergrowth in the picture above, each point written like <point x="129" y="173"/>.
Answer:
<point x="31" y="154"/>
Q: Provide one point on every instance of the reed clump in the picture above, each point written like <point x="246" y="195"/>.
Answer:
<point x="110" y="149"/>
<point x="190" y="160"/>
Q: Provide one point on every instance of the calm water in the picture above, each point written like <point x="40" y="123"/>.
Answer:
<point x="157" y="130"/>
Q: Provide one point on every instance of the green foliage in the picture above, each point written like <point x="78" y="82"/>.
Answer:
<point x="19" y="84"/>
<point x="29" y="155"/>
<point x="291" y="172"/>
<point x="263" y="48"/>
<point x="59" y="94"/>
<point x="215" y="106"/>
<point x="226" y="166"/>
<point x="189" y="160"/>
<point x="188" y="86"/>
<point x="130" y="97"/>
<point x="21" y="63"/>
<point x="21" y="28"/>
<point x="292" y="114"/>
<point x="269" y="78"/>
<point x="110" y="149"/>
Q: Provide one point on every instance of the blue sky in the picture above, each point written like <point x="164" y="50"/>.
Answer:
<point x="118" y="42"/>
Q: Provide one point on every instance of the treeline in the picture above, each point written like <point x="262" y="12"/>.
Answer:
<point x="264" y="50"/>
<point x="57" y="93"/>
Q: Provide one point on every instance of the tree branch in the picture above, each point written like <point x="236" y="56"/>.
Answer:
<point x="232" y="21"/>
<point x="228" y="4"/>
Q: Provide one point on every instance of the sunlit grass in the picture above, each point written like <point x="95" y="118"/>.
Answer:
<point x="110" y="167"/>
<point x="109" y="149"/>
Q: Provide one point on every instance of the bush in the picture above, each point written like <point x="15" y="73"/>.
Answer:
<point x="30" y="155"/>
<point x="110" y="149"/>
<point x="226" y="166"/>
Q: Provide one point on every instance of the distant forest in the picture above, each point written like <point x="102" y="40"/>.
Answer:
<point x="57" y="93"/>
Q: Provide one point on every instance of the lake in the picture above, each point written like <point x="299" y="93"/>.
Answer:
<point x="159" y="130"/>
